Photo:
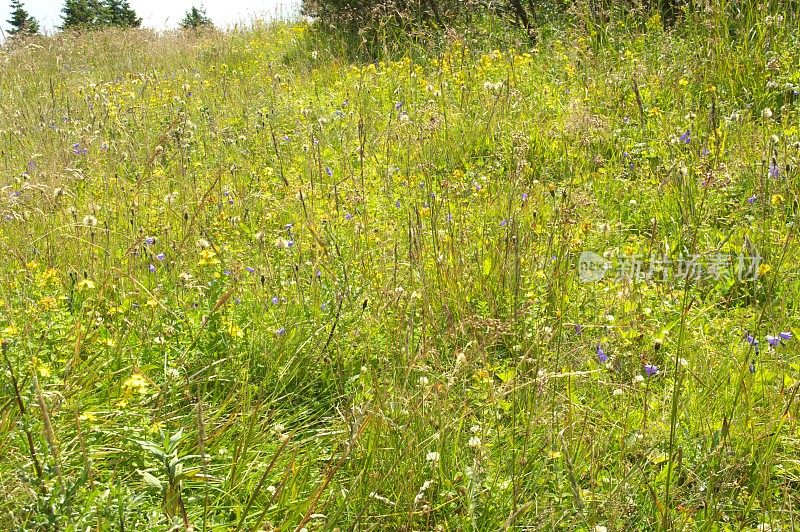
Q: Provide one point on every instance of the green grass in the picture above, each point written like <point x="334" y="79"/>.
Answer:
<point x="404" y="355"/>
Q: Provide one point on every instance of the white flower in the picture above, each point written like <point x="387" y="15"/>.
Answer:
<point x="203" y="243"/>
<point x="600" y="528"/>
<point x="432" y="456"/>
<point x="423" y="381"/>
<point x="618" y="391"/>
<point x="474" y="442"/>
<point x="89" y="220"/>
<point x="767" y="113"/>
<point x="639" y="378"/>
<point x="683" y="362"/>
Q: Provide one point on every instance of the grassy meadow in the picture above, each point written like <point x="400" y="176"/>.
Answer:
<point x="268" y="280"/>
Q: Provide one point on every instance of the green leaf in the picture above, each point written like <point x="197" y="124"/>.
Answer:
<point x="151" y="480"/>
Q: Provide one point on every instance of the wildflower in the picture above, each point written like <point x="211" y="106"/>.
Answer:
<point x="275" y="300"/>
<point x="474" y="442"/>
<point x="776" y="200"/>
<point x="774" y="170"/>
<point x="766" y="113"/>
<point x="578" y="329"/>
<point x="329" y="171"/>
<point x="149" y="240"/>
<point x="705" y="152"/>
<point x="650" y="370"/>
<point x="750" y="339"/>
<point x="686" y="138"/>
<point x="88" y="416"/>
<point x="348" y="216"/>
<point x="618" y="392"/>
<point x="773" y="341"/>
<point x="423" y="381"/>
<point x="208" y="257"/>
<point x="136" y="383"/>
<point x="503" y="223"/>
<point x="89" y="221"/>
<point x="432" y="456"/>
<point x="161" y="256"/>
<point x="152" y="268"/>
<point x="281" y="331"/>
<point x="250" y="270"/>
<point x="85" y="284"/>
<point x="77" y="150"/>
<point x="524" y="196"/>
<point x="397" y="204"/>
<point x="601" y="355"/>
<point x="751" y="199"/>
<point x="785" y="335"/>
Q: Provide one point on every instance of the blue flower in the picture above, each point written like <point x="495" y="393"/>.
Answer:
<point x="161" y="256"/>
<point x="149" y="240"/>
<point x="524" y="196"/>
<point x="773" y="340"/>
<point x="686" y="138"/>
<point x="601" y="355"/>
<point x="785" y="335"/>
<point x="751" y="199"/>
<point x="774" y="170"/>
<point x="579" y="329"/>
<point x="329" y="171"/>
<point x="348" y="216"/>
<point x="275" y="300"/>
<point x="281" y="331"/>
<point x="152" y="268"/>
<point x="250" y="270"/>
<point x="750" y="339"/>
<point x="650" y="370"/>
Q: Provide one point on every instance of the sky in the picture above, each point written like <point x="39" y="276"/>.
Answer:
<point x="166" y="14"/>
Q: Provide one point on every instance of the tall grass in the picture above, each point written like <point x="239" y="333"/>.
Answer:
<point x="253" y="282"/>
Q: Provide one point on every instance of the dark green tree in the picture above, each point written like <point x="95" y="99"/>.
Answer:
<point x="22" y="23"/>
<point x="119" y="13"/>
<point x="81" y="14"/>
<point x="195" y="19"/>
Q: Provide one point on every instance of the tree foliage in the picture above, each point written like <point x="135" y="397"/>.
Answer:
<point x="22" y="23"/>
<point x="196" y="18"/>
<point x="90" y="14"/>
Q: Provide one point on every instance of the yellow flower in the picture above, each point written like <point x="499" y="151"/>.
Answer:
<point x="32" y="265"/>
<point x="88" y="416"/>
<point x="208" y="257"/>
<point x="43" y="370"/>
<point x="86" y="284"/>
<point x="47" y="303"/>
<point x="764" y="269"/>
<point x="777" y="199"/>
<point x="9" y="332"/>
<point x="136" y="383"/>
<point x="235" y="331"/>
<point x="683" y="82"/>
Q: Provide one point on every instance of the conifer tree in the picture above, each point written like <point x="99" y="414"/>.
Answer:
<point x="22" y="23"/>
